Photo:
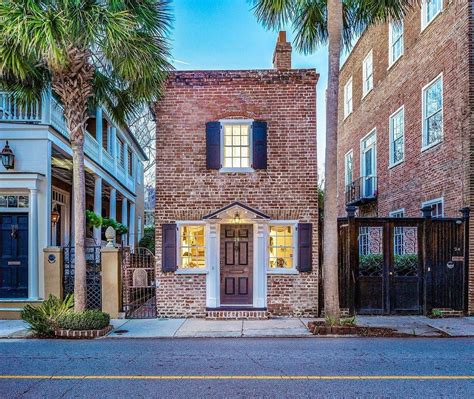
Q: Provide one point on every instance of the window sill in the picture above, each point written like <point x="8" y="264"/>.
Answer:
<point x="424" y="24"/>
<point x="434" y="144"/>
<point x="392" y="165"/>
<point x="366" y="94"/>
<point x="191" y="271"/>
<point x="236" y="170"/>
<point x="394" y="62"/>
<point x="347" y="116"/>
<point x="283" y="272"/>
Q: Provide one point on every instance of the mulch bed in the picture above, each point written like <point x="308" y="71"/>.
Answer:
<point x="320" y="328"/>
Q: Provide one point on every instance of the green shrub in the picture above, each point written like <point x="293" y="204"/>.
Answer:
<point x="43" y="319"/>
<point x="118" y="227"/>
<point x="93" y="219"/>
<point x="407" y="263"/>
<point x="86" y="320"/>
<point x="148" y="240"/>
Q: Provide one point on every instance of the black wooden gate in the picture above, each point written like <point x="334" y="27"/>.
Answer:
<point x="138" y="284"/>
<point x="93" y="275"/>
<point x="402" y="265"/>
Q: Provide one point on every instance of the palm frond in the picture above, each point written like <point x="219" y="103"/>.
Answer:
<point x="274" y="14"/>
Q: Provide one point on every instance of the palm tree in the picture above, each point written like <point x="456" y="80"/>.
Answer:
<point x="111" y="53"/>
<point x="336" y="23"/>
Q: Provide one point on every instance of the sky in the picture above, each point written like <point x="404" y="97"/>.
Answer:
<point x="224" y="34"/>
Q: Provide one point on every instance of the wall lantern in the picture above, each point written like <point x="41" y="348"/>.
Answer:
<point x="236" y="218"/>
<point x="8" y="158"/>
<point x="55" y="216"/>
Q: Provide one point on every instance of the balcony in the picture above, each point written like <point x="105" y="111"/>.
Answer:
<point x="361" y="191"/>
<point x="48" y="111"/>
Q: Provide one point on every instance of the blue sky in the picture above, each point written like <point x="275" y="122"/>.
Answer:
<point x="224" y="34"/>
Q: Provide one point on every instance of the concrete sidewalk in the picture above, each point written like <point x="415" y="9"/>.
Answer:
<point x="419" y="326"/>
<point x="201" y="328"/>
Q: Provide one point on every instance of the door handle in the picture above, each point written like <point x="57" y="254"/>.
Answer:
<point x="14" y="231"/>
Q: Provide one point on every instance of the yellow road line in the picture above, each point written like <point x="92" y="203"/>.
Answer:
<point x="237" y="377"/>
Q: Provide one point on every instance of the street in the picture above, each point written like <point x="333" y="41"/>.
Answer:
<point x="305" y="367"/>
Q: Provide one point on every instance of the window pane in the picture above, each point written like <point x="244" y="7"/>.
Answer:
<point x="3" y="201"/>
<point x="433" y="98"/>
<point x="235" y="140"/>
<point x="237" y="147"/>
<point x="434" y="128"/>
<point x="281" y="247"/>
<point x="192" y="247"/>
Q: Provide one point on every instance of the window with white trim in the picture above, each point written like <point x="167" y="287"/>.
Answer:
<point x="348" y="168"/>
<point x="121" y="152"/>
<point x="433" y="113"/>
<point x="367" y="74"/>
<point x="281" y="247"/>
<point x="192" y="246"/>
<point x="397" y="137"/>
<point x="395" y="41"/>
<point x="429" y="10"/>
<point x="236" y="144"/>
<point x="437" y="206"/>
<point x="348" y="98"/>
<point x="14" y="201"/>
<point x="399" y="213"/>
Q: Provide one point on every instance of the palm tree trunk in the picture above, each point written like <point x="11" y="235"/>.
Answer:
<point x="330" y="245"/>
<point x="74" y="87"/>
<point x="79" y="184"/>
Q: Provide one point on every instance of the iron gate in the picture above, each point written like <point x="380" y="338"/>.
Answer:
<point x="138" y="284"/>
<point x="93" y="275"/>
<point x="402" y="265"/>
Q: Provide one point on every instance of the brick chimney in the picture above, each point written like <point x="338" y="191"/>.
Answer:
<point x="282" y="53"/>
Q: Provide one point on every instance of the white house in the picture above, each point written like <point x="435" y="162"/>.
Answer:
<point x="35" y="195"/>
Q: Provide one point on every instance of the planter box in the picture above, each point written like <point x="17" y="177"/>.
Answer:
<point x="82" y="334"/>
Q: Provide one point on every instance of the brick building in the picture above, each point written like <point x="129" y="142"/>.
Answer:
<point x="405" y="128"/>
<point x="236" y="195"/>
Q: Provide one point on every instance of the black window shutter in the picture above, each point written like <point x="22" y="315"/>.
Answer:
<point x="213" y="145"/>
<point x="259" y="142"/>
<point x="169" y="261"/>
<point x="305" y="247"/>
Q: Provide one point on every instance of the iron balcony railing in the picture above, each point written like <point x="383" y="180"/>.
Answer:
<point x="361" y="190"/>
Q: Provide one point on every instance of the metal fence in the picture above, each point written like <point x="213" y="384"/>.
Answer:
<point x="93" y="274"/>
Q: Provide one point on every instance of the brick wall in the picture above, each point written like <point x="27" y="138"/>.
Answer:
<point x="440" y="171"/>
<point x="471" y="157"/>
<point x="286" y="190"/>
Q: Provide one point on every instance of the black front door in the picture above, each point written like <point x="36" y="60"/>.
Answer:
<point x="13" y="255"/>
<point x="236" y="255"/>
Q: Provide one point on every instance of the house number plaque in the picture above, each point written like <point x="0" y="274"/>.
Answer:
<point x="457" y="259"/>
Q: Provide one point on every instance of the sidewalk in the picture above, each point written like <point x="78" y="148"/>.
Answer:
<point x="419" y="326"/>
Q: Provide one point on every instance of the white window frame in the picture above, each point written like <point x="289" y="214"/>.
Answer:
<point x="248" y="122"/>
<point x="346" y="181"/>
<point x="365" y="77"/>
<point x="391" y="141"/>
<point x="362" y="152"/>
<point x="293" y="269"/>
<point x="424" y="145"/>
<point x="348" y="105"/>
<point x="395" y="213"/>
<point x="180" y="269"/>
<point x="435" y="201"/>
<point x="391" y="60"/>
<point x="424" y="14"/>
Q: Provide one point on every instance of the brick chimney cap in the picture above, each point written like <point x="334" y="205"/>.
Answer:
<point x="282" y="36"/>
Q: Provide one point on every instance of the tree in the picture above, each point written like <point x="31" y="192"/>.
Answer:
<point x="336" y="23"/>
<point x="112" y="53"/>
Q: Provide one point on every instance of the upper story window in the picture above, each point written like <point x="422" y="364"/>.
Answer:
<point x="433" y="112"/>
<point x="397" y="137"/>
<point x="437" y="207"/>
<point x="121" y="152"/>
<point x="281" y="247"/>
<point x="429" y="10"/>
<point x="348" y="168"/>
<point x="399" y="213"/>
<point x="348" y="98"/>
<point x="130" y="162"/>
<point x="395" y="41"/>
<point x="236" y="145"/>
<point x="367" y="74"/>
<point x="192" y="247"/>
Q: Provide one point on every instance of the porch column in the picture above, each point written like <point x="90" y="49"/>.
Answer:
<point x="98" y="207"/>
<point x="113" y="204"/>
<point x="124" y="216"/>
<point x="33" y="271"/>
<point x="131" y="230"/>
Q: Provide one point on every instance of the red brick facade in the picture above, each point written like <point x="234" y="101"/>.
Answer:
<point x="440" y="171"/>
<point x="286" y="190"/>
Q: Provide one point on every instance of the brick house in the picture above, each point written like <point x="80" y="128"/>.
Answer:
<point x="236" y="194"/>
<point x="405" y="127"/>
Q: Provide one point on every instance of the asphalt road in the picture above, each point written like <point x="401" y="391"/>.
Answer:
<point x="273" y="368"/>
